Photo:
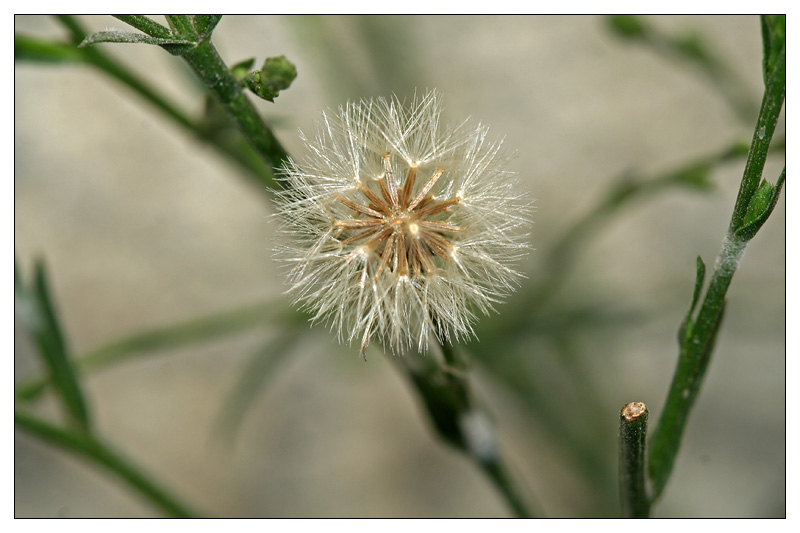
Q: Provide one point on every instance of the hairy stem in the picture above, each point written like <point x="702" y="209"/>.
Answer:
<point x="632" y="489"/>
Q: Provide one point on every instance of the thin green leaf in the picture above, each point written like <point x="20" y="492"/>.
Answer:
<point x="761" y="206"/>
<point x="771" y="105"/>
<point x="43" y="323"/>
<point x="173" y="46"/>
<point x="147" y="25"/>
<point x="685" y="328"/>
<point x="241" y="69"/>
<point x="255" y="375"/>
<point x="172" y="336"/>
<point x="205" y="24"/>
<point x="182" y="25"/>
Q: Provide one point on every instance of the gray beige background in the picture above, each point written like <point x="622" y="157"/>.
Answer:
<point x="142" y="226"/>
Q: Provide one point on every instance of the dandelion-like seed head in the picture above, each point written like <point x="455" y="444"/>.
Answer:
<point x="399" y="227"/>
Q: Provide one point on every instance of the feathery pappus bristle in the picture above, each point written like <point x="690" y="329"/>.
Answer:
<point x="399" y="227"/>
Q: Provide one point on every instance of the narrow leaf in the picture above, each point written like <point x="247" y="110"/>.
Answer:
<point x="242" y="68"/>
<point x="49" y="338"/>
<point x="698" y="288"/>
<point x="173" y="46"/>
<point x="182" y="25"/>
<point x="761" y="206"/>
<point x="147" y="25"/>
<point x="255" y="375"/>
<point x="205" y="24"/>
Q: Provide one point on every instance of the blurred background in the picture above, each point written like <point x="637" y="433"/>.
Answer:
<point x="142" y="226"/>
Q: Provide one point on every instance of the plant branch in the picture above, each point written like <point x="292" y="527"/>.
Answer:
<point x="444" y="390"/>
<point x="99" y="453"/>
<point x="697" y="336"/>
<point x="226" y="89"/>
<point x="236" y="150"/>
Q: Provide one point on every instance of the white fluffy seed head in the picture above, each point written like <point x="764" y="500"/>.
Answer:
<point x="399" y="227"/>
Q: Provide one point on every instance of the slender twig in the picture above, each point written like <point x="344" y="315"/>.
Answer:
<point x="444" y="390"/>
<point x="237" y="152"/>
<point x="97" y="58"/>
<point x="226" y="89"/>
<point x="698" y="335"/>
<point x="498" y="474"/>
<point x="690" y="49"/>
<point x="626" y="190"/>
<point x="632" y="489"/>
<point x="97" y="452"/>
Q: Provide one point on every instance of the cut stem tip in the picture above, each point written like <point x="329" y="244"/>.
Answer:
<point x="633" y="411"/>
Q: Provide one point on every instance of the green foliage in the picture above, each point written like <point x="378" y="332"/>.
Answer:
<point x="689" y="48"/>
<point x="147" y="25"/>
<point x="685" y="330"/>
<point x="241" y="69"/>
<point x="43" y="323"/>
<point x="628" y="26"/>
<point x="773" y="33"/>
<point x="760" y="208"/>
<point x="754" y="204"/>
<point x="174" y="46"/>
<point x="204" y="25"/>
<point x="184" y="34"/>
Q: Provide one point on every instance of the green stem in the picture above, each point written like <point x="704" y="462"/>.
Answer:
<point x="626" y="191"/>
<point x="449" y="402"/>
<point x="99" y="453"/>
<point x="693" y="361"/>
<point x="241" y="154"/>
<point x="632" y="432"/>
<point x="693" y="50"/>
<point x="97" y="58"/>
<point x="771" y="105"/>
<point x="502" y="481"/>
<point x="221" y="83"/>
<point x="697" y="342"/>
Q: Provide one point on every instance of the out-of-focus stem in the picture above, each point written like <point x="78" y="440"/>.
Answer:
<point x="241" y="154"/>
<point x="92" y="449"/>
